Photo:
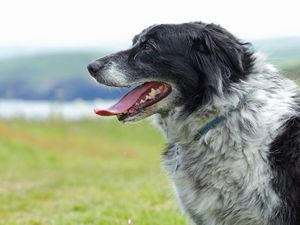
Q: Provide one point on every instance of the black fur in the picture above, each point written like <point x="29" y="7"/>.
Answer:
<point x="285" y="163"/>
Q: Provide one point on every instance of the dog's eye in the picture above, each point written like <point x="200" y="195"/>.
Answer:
<point x="147" y="48"/>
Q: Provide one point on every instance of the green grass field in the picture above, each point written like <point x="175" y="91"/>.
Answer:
<point x="86" y="172"/>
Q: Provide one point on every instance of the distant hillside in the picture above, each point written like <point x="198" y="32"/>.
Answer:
<point x="46" y="67"/>
<point x="283" y="52"/>
<point x="63" y="75"/>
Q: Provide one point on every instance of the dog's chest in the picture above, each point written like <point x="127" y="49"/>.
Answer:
<point x="215" y="181"/>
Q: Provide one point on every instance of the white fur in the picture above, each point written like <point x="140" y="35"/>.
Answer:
<point x="114" y="77"/>
<point x="224" y="177"/>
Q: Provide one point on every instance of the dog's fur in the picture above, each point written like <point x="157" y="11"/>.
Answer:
<point x="246" y="170"/>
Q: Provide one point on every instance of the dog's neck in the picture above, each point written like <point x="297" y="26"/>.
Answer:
<point x="177" y="129"/>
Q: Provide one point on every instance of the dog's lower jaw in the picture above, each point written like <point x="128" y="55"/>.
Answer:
<point x="135" y="118"/>
<point x="150" y="111"/>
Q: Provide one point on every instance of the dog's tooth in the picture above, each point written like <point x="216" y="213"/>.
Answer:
<point x="148" y="97"/>
<point x="152" y="92"/>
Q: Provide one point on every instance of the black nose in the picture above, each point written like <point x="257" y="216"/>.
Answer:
<point x="94" y="67"/>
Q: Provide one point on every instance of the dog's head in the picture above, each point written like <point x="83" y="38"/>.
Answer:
<point x="175" y="65"/>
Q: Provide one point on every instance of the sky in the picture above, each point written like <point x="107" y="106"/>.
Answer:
<point x="111" y="23"/>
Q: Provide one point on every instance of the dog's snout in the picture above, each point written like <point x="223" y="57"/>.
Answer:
<point x="94" y="67"/>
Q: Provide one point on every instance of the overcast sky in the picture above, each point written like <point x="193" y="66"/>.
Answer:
<point x="69" y="23"/>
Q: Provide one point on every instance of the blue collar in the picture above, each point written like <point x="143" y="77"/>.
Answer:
<point x="211" y="125"/>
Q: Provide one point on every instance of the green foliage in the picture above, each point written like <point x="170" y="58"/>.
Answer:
<point x="86" y="172"/>
<point x="47" y="67"/>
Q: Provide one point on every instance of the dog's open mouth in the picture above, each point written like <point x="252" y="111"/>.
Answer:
<point x="137" y="100"/>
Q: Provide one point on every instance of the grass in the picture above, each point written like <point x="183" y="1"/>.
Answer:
<point x="85" y="172"/>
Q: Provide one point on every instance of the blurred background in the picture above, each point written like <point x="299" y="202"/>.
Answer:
<point x="59" y="163"/>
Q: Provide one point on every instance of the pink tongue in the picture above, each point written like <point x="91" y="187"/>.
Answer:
<point x="127" y="100"/>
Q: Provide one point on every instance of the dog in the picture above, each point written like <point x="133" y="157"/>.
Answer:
<point x="230" y="119"/>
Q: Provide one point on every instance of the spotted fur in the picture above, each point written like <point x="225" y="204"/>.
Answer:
<point x="244" y="171"/>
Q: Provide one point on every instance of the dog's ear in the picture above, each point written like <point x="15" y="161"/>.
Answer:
<point x="218" y="59"/>
<point x="215" y="50"/>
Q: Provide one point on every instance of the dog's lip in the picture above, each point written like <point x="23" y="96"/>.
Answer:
<point x="137" y="99"/>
